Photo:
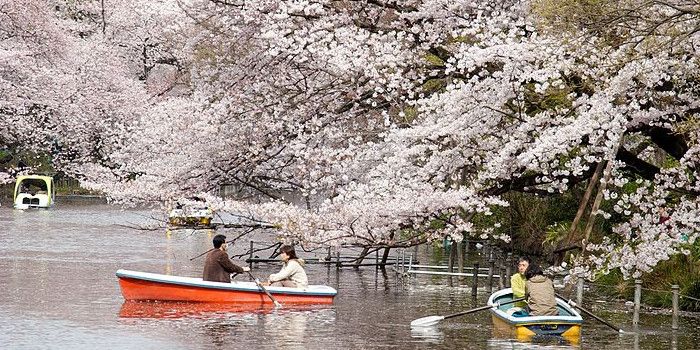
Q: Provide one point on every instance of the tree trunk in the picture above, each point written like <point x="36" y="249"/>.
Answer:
<point x="599" y="196"/>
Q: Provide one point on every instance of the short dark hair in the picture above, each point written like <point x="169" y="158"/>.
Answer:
<point x="533" y="270"/>
<point x="219" y="240"/>
<point x="289" y="250"/>
<point x="524" y="258"/>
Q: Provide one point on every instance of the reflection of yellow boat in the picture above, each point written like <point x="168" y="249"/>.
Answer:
<point x="566" y="325"/>
<point x="34" y="191"/>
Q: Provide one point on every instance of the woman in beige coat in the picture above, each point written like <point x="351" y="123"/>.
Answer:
<point x="292" y="273"/>
<point x="541" y="300"/>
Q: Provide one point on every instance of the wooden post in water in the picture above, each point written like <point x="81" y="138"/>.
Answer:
<point x="396" y="265"/>
<point x="460" y="257"/>
<point x="376" y="259"/>
<point x="674" y="319"/>
<point x="489" y="249"/>
<point x="501" y="277"/>
<point x="451" y="257"/>
<point x="490" y="278"/>
<point x="637" y="301"/>
<point x="509" y="264"/>
<point x="475" y="282"/>
<point x="250" y="256"/>
<point x="579" y="290"/>
<point x="337" y="260"/>
<point x="403" y="260"/>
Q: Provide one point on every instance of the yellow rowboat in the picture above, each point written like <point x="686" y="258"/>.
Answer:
<point x="566" y="325"/>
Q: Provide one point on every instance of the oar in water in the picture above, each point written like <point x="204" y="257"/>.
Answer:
<point x="572" y="303"/>
<point x="433" y="320"/>
<point x="257" y="281"/>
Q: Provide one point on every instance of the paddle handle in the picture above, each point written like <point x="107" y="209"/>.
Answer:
<point x="572" y="303"/>
<point x="277" y="304"/>
<point x="486" y="307"/>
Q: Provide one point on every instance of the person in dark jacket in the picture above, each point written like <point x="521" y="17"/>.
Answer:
<point x="218" y="267"/>
<point x="541" y="300"/>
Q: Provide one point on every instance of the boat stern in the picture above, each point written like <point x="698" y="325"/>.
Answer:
<point x="27" y="200"/>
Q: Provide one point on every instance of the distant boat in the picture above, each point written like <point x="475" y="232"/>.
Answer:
<point x="192" y="211"/>
<point x="34" y="191"/>
<point x="566" y="325"/>
<point x="137" y="285"/>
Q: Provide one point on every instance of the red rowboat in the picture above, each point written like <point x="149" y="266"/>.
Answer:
<point x="137" y="285"/>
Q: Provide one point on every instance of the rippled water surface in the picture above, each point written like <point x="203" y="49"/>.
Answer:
<point x="58" y="290"/>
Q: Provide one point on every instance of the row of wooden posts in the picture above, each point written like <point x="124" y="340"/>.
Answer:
<point x="337" y="260"/>
<point x="499" y="271"/>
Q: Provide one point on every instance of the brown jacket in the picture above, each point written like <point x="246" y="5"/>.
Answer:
<point x="218" y="267"/>
<point x="540" y="296"/>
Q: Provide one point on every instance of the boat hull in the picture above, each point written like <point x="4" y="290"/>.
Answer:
<point x="530" y="331"/>
<point x="566" y="325"/>
<point x="155" y="287"/>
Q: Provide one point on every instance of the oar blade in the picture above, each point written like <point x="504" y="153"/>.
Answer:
<point x="427" y="321"/>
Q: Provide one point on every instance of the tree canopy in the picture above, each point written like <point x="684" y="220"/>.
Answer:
<point x="375" y="122"/>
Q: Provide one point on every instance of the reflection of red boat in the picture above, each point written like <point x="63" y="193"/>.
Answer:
<point x="173" y="309"/>
<point x="152" y="286"/>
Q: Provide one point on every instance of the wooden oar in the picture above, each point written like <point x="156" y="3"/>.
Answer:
<point x="433" y="320"/>
<point x="257" y="281"/>
<point x="202" y="254"/>
<point x="572" y="303"/>
<point x="227" y="242"/>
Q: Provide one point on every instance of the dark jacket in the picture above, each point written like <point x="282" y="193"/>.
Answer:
<point x="541" y="299"/>
<point x="218" y="267"/>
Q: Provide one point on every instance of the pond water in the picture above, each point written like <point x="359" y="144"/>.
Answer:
<point x="58" y="290"/>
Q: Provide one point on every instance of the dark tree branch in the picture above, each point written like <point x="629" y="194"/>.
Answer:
<point x="674" y="144"/>
<point x="636" y="165"/>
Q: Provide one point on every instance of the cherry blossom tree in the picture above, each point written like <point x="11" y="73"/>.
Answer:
<point x="372" y="123"/>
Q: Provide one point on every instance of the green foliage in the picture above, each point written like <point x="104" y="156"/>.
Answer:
<point x="410" y="113"/>
<point x="434" y="85"/>
<point x="550" y="99"/>
<point x="437" y="224"/>
<point x="470" y="40"/>
<point x="556" y="232"/>
<point x="434" y="60"/>
<point x="204" y="54"/>
<point x="689" y="128"/>
<point x="69" y="186"/>
<point x="5" y="156"/>
<point x="577" y="15"/>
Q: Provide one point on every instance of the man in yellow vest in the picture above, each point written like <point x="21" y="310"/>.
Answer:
<point x="517" y="281"/>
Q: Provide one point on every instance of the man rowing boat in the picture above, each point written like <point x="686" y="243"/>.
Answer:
<point x="218" y="267"/>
